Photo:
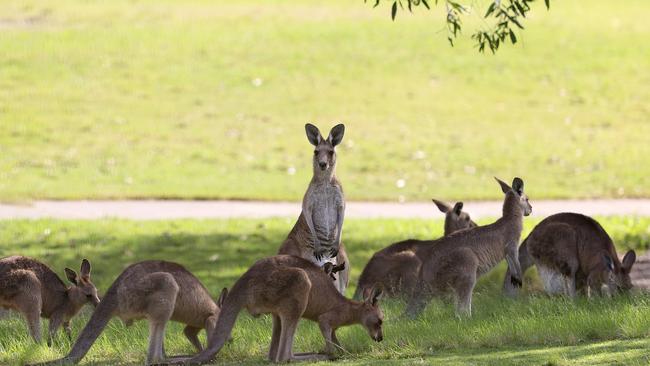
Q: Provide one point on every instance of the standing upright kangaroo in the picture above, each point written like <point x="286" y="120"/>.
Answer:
<point x="455" y="262"/>
<point x="397" y="266"/>
<point x="291" y="288"/>
<point x="316" y="236"/>
<point x="158" y="291"/>
<point x="573" y="252"/>
<point x="34" y="290"/>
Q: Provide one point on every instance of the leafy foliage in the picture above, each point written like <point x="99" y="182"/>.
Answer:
<point x="506" y="16"/>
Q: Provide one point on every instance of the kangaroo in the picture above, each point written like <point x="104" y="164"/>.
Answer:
<point x="158" y="291"/>
<point x="573" y="252"/>
<point x="33" y="289"/>
<point x="316" y="236"/>
<point x="455" y="262"/>
<point x="291" y="288"/>
<point x="396" y="267"/>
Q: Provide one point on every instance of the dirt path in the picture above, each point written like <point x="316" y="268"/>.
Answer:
<point x="155" y="210"/>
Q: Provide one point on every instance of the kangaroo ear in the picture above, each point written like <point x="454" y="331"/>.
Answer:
<point x="518" y="185"/>
<point x="609" y="263"/>
<point x="85" y="268"/>
<point x="222" y="297"/>
<point x="336" y="134"/>
<point x="628" y="260"/>
<point x="442" y="206"/>
<point x="313" y="135"/>
<point x="504" y="186"/>
<point x="458" y="207"/>
<point x="72" y="276"/>
<point x="375" y="295"/>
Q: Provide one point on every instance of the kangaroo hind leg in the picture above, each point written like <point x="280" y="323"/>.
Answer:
<point x="160" y="304"/>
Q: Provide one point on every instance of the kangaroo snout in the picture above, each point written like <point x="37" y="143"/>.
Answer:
<point x="323" y="165"/>
<point x="378" y="338"/>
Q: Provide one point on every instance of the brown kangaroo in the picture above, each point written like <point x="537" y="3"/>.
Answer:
<point x="316" y="236"/>
<point x="291" y="288"/>
<point x="573" y="252"/>
<point x="397" y="266"/>
<point x="158" y="291"/>
<point x="33" y="289"/>
<point x="455" y="262"/>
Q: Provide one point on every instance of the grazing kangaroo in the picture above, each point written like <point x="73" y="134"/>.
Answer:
<point x="33" y="289"/>
<point x="158" y="291"/>
<point x="397" y="266"/>
<point x="573" y="252"/>
<point x="291" y="288"/>
<point x="455" y="262"/>
<point x="316" y="236"/>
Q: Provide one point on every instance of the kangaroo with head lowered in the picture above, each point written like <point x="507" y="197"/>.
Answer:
<point x="573" y="252"/>
<point x="316" y="236"/>
<point x="397" y="266"/>
<point x="455" y="262"/>
<point x="33" y="289"/>
<point x="291" y="288"/>
<point x="158" y="291"/>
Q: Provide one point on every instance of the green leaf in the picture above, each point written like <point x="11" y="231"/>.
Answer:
<point x="548" y="4"/>
<point x="513" y="38"/>
<point x="490" y="10"/>
<point x="426" y="5"/>
<point x="393" y="11"/>
<point x="521" y="10"/>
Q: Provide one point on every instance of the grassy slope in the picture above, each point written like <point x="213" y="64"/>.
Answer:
<point x="156" y="99"/>
<point x="533" y="329"/>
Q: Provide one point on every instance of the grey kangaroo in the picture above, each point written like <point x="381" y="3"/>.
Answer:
<point x="397" y="266"/>
<point x="290" y="288"/>
<point x="33" y="289"/>
<point x="316" y="236"/>
<point x="158" y="291"/>
<point x="573" y="252"/>
<point x="455" y="262"/>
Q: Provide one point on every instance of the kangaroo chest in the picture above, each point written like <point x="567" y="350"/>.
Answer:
<point x="325" y="203"/>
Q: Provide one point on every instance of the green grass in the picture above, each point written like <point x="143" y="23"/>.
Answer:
<point x="532" y="330"/>
<point x="157" y="99"/>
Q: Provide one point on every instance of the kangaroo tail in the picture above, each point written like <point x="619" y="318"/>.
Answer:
<point x="91" y="331"/>
<point x="98" y="321"/>
<point x="233" y="304"/>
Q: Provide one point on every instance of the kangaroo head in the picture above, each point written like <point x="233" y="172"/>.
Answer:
<point x="324" y="152"/>
<point x="455" y="218"/>
<point x="517" y="192"/>
<point x="82" y="290"/>
<point x="618" y="277"/>
<point x="371" y="315"/>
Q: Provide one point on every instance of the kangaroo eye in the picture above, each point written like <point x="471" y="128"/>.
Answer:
<point x="315" y="152"/>
<point x="331" y="153"/>
<point x="89" y="296"/>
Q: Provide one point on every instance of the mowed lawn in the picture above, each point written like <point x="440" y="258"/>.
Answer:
<point x="533" y="329"/>
<point x="204" y="99"/>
